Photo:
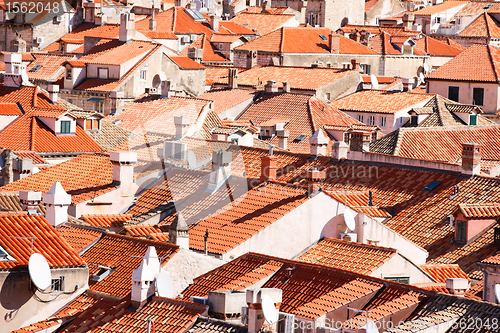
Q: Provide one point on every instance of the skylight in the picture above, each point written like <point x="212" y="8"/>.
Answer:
<point x="37" y="67"/>
<point x="300" y="138"/>
<point x="101" y="273"/>
<point x="323" y="37"/>
<point x="4" y="256"/>
<point x="432" y="186"/>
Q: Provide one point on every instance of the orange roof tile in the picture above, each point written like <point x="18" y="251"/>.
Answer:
<point x="225" y="98"/>
<point x="186" y="63"/>
<point x="350" y="256"/>
<point x="434" y="47"/>
<point x="440" y="273"/>
<point x="123" y="254"/>
<point x="110" y="220"/>
<point x="78" y="237"/>
<point x="10" y="109"/>
<point x="77" y="36"/>
<point x="380" y="101"/>
<point x="121" y="54"/>
<point x="302" y="40"/>
<point x="480" y="210"/>
<point x="478" y="63"/>
<point x="46" y="66"/>
<point x="483" y="26"/>
<point x="261" y="23"/>
<point x="47" y="241"/>
<point x="84" y="177"/>
<point x="476" y="291"/>
<point x="431" y="10"/>
<point x="210" y="53"/>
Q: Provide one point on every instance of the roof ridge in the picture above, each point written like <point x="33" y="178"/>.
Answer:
<point x="33" y="129"/>
<point x="384" y="248"/>
<point x="282" y="39"/>
<point x="492" y="62"/>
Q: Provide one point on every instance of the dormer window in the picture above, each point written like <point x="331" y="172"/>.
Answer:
<point x="65" y="127"/>
<point x="103" y="73"/>
<point x="473" y="119"/>
<point x="92" y="124"/>
<point x="407" y="49"/>
<point x="414" y="120"/>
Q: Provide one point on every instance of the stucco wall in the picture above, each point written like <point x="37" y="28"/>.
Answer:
<point x="491" y="277"/>
<point x="399" y="266"/>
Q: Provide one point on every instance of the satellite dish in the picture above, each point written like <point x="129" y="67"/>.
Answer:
<point x="197" y="3"/>
<point x="349" y="219"/>
<point x="39" y="271"/>
<point x="191" y="159"/>
<point x="269" y="310"/>
<point x="426" y="67"/>
<point x="25" y="78"/>
<point x="164" y="286"/>
<point x="422" y="77"/>
<point x="374" y="81"/>
<point x="371" y="327"/>
<point x="497" y="292"/>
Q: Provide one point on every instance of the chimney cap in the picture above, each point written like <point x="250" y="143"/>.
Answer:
<point x="123" y="156"/>
<point x="30" y="195"/>
<point x="142" y="273"/>
<point x="57" y="195"/>
<point x="179" y="224"/>
<point x="318" y="138"/>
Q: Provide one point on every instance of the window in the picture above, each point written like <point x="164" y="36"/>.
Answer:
<point x="461" y="231"/>
<point x="414" y="120"/>
<point x="374" y="136"/>
<point x="65" y="126"/>
<point x="103" y="73"/>
<point x="473" y="119"/>
<point x="496" y="237"/>
<point x="453" y="93"/>
<point x="407" y="49"/>
<point x="400" y="279"/>
<point x="367" y="69"/>
<point x="99" y="106"/>
<point x="101" y="273"/>
<point x="313" y="19"/>
<point x="57" y="284"/>
<point x="92" y="124"/>
<point x="328" y="96"/>
<point x="69" y="73"/>
<point x="383" y="120"/>
<point x="371" y="120"/>
<point x="401" y="120"/>
<point x="432" y="186"/>
<point x="360" y="118"/>
<point x="438" y="20"/>
<point x="478" y="96"/>
<point x="143" y="74"/>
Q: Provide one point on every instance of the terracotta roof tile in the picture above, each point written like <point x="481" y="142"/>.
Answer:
<point x="210" y="53"/>
<point x="78" y="237"/>
<point x="479" y="63"/>
<point x="380" y="101"/>
<point x="440" y="273"/>
<point x="123" y="254"/>
<point x="108" y="30"/>
<point x="225" y="98"/>
<point x="110" y="220"/>
<point x="485" y="25"/>
<point x="211" y="325"/>
<point x="434" y="47"/>
<point x="47" y="242"/>
<point x="186" y="63"/>
<point x="121" y="54"/>
<point x="480" y="210"/>
<point x="84" y="177"/>
<point x="476" y="291"/>
<point x="350" y="256"/>
<point x="263" y="23"/>
<point x="46" y="66"/>
<point x="438" y="8"/>
<point x="302" y="40"/>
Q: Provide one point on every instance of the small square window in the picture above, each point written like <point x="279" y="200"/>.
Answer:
<point x="65" y="127"/>
<point x="478" y="96"/>
<point x="473" y="119"/>
<point x="414" y="120"/>
<point x="360" y="118"/>
<point x="103" y="73"/>
<point x="57" y="284"/>
<point x="143" y="74"/>
<point x="383" y="121"/>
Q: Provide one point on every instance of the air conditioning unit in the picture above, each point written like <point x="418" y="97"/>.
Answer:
<point x="39" y="40"/>
<point x="59" y="18"/>
<point x="349" y="236"/>
<point x="185" y="39"/>
<point x="199" y="300"/>
<point x="244" y="315"/>
<point x="175" y="150"/>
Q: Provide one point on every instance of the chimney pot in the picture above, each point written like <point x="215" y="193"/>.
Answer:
<point x="271" y="87"/>
<point x="471" y="159"/>
<point x="318" y="143"/>
<point x="334" y="43"/>
<point x="314" y="179"/>
<point x="53" y="90"/>
<point x="57" y="202"/>
<point x="214" y="22"/>
<point x="286" y="87"/>
<point x="30" y="200"/>
<point x="407" y="84"/>
<point x="233" y="78"/>
<point x="339" y="150"/>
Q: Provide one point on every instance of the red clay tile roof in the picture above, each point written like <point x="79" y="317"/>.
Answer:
<point x="147" y="231"/>
<point x="77" y="63"/>
<point x="51" y="66"/>
<point x="108" y="30"/>
<point x="84" y="177"/>
<point x="123" y="254"/>
<point x="78" y="237"/>
<point x="218" y="38"/>
<point x="121" y="54"/>
<point x="304" y="78"/>
<point x="47" y="242"/>
<point x="247" y="215"/>
<point x="439" y="273"/>
<point x="225" y="98"/>
<point x="350" y="256"/>
<point x="110" y="220"/>
<point x="376" y="29"/>
<point x="217" y="73"/>
<point x="10" y="109"/>
<point x="186" y="63"/>
<point x="492" y="260"/>
<point x="438" y="8"/>
<point x="263" y="23"/>
<point x="434" y="47"/>
<point x="483" y="26"/>
<point x="479" y="63"/>
<point x="158" y="116"/>
<point x="476" y="291"/>
<point x="480" y="210"/>
<point x="210" y="53"/>
<point x="302" y="40"/>
<point x="359" y="203"/>
<point x="380" y="101"/>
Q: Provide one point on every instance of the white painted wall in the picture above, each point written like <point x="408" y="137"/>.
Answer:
<point x="6" y="120"/>
<point x="399" y="266"/>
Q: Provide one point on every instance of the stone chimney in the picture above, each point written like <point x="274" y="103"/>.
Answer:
<point x="356" y="36"/>
<point x="57" y="202"/>
<point x="178" y="232"/>
<point x="152" y="21"/>
<point x="251" y="59"/>
<point x="123" y="170"/>
<point x="303" y="12"/>
<point x="339" y="150"/>
<point x="271" y="87"/>
<point x="14" y="69"/>
<point x="457" y="286"/>
<point x="355" y="63"/>
<point x="142" y="280"/>
<point x="181" y="125"/>
<point x="256" y="318"/>
<point x="266" y="5"/>
<point x="360" y="141"/>
<point x="214" y="22"/>
<point x="318" y="143"/>
<point x="232" y="78"/>
<point x="22" y="168"/>
<point x="268" y="167"/>
<point x="334" y="43"/>
<point x="53" y="90"/>
<point x="30" y="201"/>
<point x="286" y="87"/>
<point x="471" y="159"/>
<point x="407" y="84"/>
<point x="408" y="20"/>
<point x="314" y="179"/>
<point x="127" y="27"/>
<point x="367" y="38"/>
<point x="283" y="139"/>
<point x="221" y="170"/>
<point x="19" y="45"/>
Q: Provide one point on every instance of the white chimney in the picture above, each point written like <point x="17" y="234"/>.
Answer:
<point x="221" y="170"/>
<point x="57" y="202"/>
<point x="178" y="232"/>
<point x="457" y="286"/>
<point x="142" y="280"/>
<point x="127" y="27"/>
<point x="339" y="150"/>
<point x="271" y="87"/>
<point x="152" y="260"/>
<point x="168" y="88"/>
<point x="318" y="143"/>
<point x="53" y="90"/>
<point x="14" y="69"/>
<point x="181" y="125"/>
<point x="283" y="138"/>
<point x="30" y="201"/>
<point x="214" y="22"/>
<point x="123" y="170"/>
<point x="407" y="84"/>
